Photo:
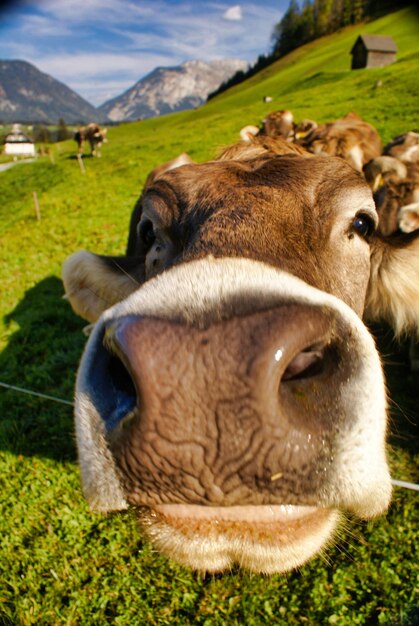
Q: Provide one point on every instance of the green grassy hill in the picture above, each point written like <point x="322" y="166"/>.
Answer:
<point x="59" y="563"/>
<point x="315" y="81"/>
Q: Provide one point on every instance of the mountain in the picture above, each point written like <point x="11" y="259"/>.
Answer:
<point x="169" y="89"/>
<point x="28" y="95"/>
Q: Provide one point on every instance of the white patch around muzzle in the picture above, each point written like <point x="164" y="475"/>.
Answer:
<point x="200" y="289"/>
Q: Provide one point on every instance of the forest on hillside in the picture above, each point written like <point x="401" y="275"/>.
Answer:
<point x="309" y="21"/>
<point x="316" y="18"/>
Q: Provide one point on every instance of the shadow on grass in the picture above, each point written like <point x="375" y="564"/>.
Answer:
<point x="42" y="355"/>
<point x="402" y="386"/>
<point x="74" y="157"/>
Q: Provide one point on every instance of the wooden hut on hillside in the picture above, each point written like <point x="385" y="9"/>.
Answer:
<point x="373" y="51"/>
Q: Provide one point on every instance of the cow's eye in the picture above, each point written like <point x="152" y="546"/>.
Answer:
<point x="146" y="232"/>
<point x="363" y="225"/>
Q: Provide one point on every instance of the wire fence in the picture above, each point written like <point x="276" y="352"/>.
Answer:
<point x="35" y="393"/>
<point x="396" y="483"/>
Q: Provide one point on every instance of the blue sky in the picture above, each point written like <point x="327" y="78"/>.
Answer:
<point x="99" y="48"/>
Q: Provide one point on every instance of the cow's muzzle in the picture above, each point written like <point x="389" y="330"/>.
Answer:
<point x="244" y="411"/>
<point x="228" y="384"/>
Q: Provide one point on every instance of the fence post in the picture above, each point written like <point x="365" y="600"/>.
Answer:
<point x="37" y="209"/>
<point x="80" y="160"/>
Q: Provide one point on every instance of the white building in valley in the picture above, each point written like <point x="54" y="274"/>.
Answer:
<point x="18" y="144"/>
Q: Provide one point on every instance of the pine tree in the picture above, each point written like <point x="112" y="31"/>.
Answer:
<point x="286" y="33"/>
<point x="336" y="15"/>
<point x="357" y="11"/>
<point x="307" y="22"/>
<point x="322" y="10"/>
<point x="62" y="131"/>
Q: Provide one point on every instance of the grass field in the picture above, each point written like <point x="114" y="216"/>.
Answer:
<point x="61" y="564"/>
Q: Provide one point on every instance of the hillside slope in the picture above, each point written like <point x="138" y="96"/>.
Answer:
<point x="315" y="81"/>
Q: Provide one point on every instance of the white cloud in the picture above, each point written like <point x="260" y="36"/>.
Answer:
<point x="234" y="14"/>
<point x="100" y="11"/>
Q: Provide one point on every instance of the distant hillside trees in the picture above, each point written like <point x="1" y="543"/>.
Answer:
<point x="43" y="134"/>
<point x="241" y="75"/>
<point x="62" y="131"/>
<point x="311" y="20"/>
<point x="316" y="18"/>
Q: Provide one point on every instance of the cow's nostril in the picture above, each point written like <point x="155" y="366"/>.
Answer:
<point x="307" y="363"/>
<point x="120" y="388"/>
<point x="120" y="377"/>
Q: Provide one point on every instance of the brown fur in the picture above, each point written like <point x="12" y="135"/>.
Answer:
<point x="350" y="138"/>
<point x="251" y="203"/>
<point x="303" y="129"/>
<point x="257" y="146"/>
<point x="182" y="159"/>
<point x="404" y="147"/>
<point x="260" y="185"/>
<point x="395" y="191"/>
<point x="384" y="169"/>
<point x="278" y="124"/>
<point x="390" y="199"/>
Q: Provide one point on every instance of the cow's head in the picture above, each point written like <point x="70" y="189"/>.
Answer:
<point x="229" y="389"/>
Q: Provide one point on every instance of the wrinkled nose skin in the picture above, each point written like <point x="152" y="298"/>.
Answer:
<point x="238" y="409"/>
<point x="224" y="411"/>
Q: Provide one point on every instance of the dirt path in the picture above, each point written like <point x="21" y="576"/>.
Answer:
<point x="6" y="166"/>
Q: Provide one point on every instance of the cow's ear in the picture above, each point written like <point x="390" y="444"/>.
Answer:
<point x="408" y="217"/>
<point x="393" y="291"/>
<point x="179" y="161"/>
<point x="93" y="283"/>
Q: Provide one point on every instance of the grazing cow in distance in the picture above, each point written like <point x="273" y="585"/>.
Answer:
<point x="350" y="138"/>
<point x="94" y="134"/>
<point x="229" y="390"/>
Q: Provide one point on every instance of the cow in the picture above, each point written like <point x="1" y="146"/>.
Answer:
<point x="248" y="132"/>
<point x="404" y="147"/>
<point x="350" y="138"/>
<point x="278" y="124"/>
<point x="395" y="182"/>
<point x="229" y="391"/>
<point x="395" y="199"/>
<point x="92" y="133"/>
<point x="394" y="177"/>
<point x="303" y="129"/>
<point x="408" y="217"/>
<point x="384" y="169"/>
<point x="275" y="124"/>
